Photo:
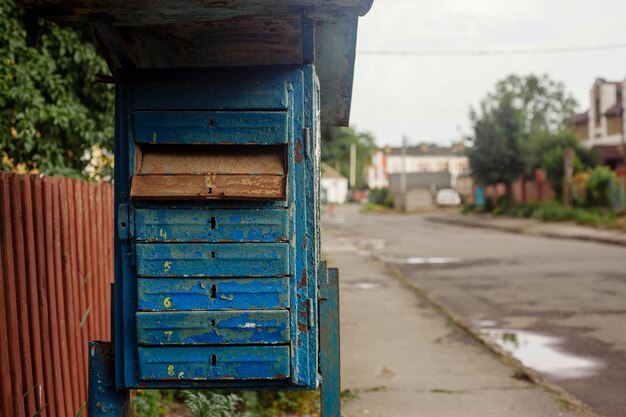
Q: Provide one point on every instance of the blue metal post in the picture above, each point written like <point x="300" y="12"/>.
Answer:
<point x="330" y="391"/>
<point x="104" y="399"/>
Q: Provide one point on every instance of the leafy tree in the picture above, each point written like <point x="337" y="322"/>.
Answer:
<point x="519" y="108"/>
<point x="336" y="143"/>
<point x="54" y="119"/>
<point x="546" y="151"/>
<point x="497" y="152"/>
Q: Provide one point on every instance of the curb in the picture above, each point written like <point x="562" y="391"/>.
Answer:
<point x="574" y="403"/>
<point x="526" y="231"/>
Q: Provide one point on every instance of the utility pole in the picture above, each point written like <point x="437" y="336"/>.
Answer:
<point x="352" y="165"/>
<point x="568" y="173"/>
<point x="403" y="175"/>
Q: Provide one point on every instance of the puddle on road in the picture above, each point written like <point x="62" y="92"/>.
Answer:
<point x="542" y="353"/>
<point x="366" y="285"/>
<point x="413" y="260"/>
<point x="483" y="323"/>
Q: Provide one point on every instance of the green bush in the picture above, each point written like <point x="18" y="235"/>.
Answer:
<point x="526" y="210"/>
<point x="468" y="208"/>
<point x="148" y="403"/>
<point x="594" y="218"/>
<point x="501" y="207"/>
<point x="553" y="211"/>
<point x="381" y="196"/>
<point x="212" y="404"/>
<point x="281" y="403"/>
<point x="598" y="187"/>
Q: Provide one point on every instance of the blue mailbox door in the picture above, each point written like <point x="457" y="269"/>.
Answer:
<point x="217" y="242"/>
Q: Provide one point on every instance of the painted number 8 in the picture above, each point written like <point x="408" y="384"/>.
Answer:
<point x="167" y="302"/>
<point x="170" y="370"/>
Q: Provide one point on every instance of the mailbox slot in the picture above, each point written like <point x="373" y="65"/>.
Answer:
<point x="213" y="362"/>
<point x="211" y="225"/>
<point x="217" y="172"/>
<point x="174" y="294"/>
<point x="213" y="327"/>
<point x="212" y="260"/>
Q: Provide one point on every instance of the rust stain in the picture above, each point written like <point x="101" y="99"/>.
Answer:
<point x="302" y="328"/>
<point x="303" y="280"/>
<point x="298" y="151"/>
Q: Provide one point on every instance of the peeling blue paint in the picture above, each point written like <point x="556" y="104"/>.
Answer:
<point x="214" y="362"/>
<point x="209" y="327"/>
<point x="212" y="293"/>
<point x="193" y="127"/>
<point x="212" y="260"/>
<point x="205" y="225"/>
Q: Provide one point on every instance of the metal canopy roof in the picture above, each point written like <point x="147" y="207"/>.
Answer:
<point x="217" y="33"/>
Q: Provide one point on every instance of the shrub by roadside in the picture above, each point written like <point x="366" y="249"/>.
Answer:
<point x="553" y="211"/>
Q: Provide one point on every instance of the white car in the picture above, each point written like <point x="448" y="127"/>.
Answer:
<point x="447" y="197"/>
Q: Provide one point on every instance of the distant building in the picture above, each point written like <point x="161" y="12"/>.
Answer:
<point x="333" y="185"/>
<point x="602" y="127"/>
<point x="421" y="188"/>
<point x="419" y="159"/>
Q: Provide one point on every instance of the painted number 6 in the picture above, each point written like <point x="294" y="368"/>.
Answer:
<point x="167" y="302"/>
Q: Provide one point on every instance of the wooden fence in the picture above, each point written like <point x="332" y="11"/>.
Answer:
<point x="57" y="267"/>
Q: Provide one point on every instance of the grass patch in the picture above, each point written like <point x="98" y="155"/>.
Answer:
<point x="377" y="208"/>
<point x="349" y="395"/>
<point x="521" y="375"/>
<point x="441" y="391"/>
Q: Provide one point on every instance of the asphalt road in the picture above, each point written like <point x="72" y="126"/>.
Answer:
<point x="558" y="305"/>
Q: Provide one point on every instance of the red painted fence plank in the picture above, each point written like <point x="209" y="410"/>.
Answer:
<point x="11" y="307"/>
<point x="32" y="295"/>
<point x="57" y="265"/>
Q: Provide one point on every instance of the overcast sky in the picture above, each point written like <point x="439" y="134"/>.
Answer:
<point x="427" y="97"/>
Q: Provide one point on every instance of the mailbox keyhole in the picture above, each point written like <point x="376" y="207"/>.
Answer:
<point x="212" y="254"/>
<point x="213" y="291"/>
<point x="213" y="360"/>
<point x="212" y="122"/>
<point x="212" y="322"/>
<point x="213" y="223"/>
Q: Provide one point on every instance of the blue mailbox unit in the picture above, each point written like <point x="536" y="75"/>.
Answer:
<point x="218" y="227"/>
<point x="218" y="274"/>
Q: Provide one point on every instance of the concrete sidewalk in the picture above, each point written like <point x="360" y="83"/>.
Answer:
<point x="402" y="358"/>
<point x="564" y="230"/>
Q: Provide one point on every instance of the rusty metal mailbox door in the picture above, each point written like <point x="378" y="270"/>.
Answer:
<point x="217" y="243"/>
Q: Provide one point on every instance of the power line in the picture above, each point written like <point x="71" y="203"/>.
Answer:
<point x="487" y="52"/>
